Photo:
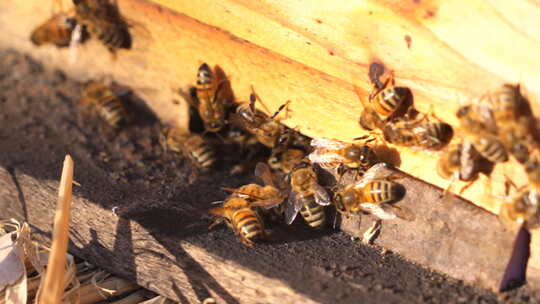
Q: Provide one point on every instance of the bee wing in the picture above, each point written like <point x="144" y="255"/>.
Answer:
<point x="293" y="206"/>
<point x="404" y="213"/>
<point x="321" y="196"/>
<point x="319" y="156"/>
<point x="467" y="167"/>
<point x="217" y="203"/>
<point x="262" y="171"/>
<point x="267" y="203"/>
<point x="382" y="211"/>
<point x="75" y="42"/>
<point x="327" y="143"/>
<point x="375" y="172"/>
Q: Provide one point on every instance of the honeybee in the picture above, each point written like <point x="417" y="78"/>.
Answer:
<point x="99" y="97"/>
<point x="306" y="196"/>
<point x="245" y="222"/>
<point x="459" y="162"/>
<point x="516" y="137"/>
<point x="56" y="30"/>
<point x="191" y="145"/>
<point x="206" y="98"/>
<point x="504" y="102"/>
<point x="103" y="21"/>
<point x="532" y="168"/>
<point x="267" y="196"/>
<point x="420" y="134"/>
<point x="336" y="154"/>
<point x="384" y="100"/>
<point x="522" y="208"/>
<point x="267" y="130"/>
<point x="478" y="124"/>
<point x="374" y="194"/>
<point x="285" y="159"/>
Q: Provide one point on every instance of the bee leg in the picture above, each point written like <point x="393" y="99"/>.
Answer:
<point x="216" y="222"/>
<point x="283" y="106"/>
<point x="465" y="187"/>
<point x="450" y="184"/>
<point x="372" y="233"/>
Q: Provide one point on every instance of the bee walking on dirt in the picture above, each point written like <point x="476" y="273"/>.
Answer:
<point x="336" y="154"/>
<point x="208" y="98"/>
<point x="267" y="130"/>
<point x="56" y="30"/>
<point x="103" y="21"/>
<point x="384" y="100"/>
<point x="375" y="193"/>
<point x="98" y="97"/>
<point x="306" y="196"/>
<point x="267" y="196"/>
<point x="191" y="145"/>
<point x="246" y="222"/>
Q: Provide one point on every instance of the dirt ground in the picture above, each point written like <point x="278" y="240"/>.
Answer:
<point x="40" y="123"/>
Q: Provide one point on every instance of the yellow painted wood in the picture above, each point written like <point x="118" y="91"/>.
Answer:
<point x="312" y="52"/>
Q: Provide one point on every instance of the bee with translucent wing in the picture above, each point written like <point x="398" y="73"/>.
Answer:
<point x="245" y="222"/>
<point x="336" y="154"/>
<point x="375" y="193"/>
<point x="267" y="196"/>
<point x="306" y="196"/>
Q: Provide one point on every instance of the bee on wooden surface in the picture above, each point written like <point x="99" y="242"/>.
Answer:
<point x="267" y="196"/>
<point x="532" y="168"/>
<point x="103" y="21"/>
<point x="504" y="102"/>
<point x="459" y="162"/>
<point x="101" y="98"/>
<point x="208" y="99"/>
<point x="478" y="124"/>
<point x="246" y="222"/>
<point x="374" y="194"/>
<point x="521" y="208"/>
<point x="419" y="133"/>
<point x="267" y="130"/>
<point x="56" y="30"/>
<point x="384" y="100"/>
<point x="306" y="196"/>
<point x="336" y="154"/>
<point x="191" y="145"/>
<point x="516" y="136"/>
<point x="285" y="159"/>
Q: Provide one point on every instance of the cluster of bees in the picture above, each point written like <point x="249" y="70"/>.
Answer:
<point x="495" y="127"/>
<point x="498" y="125"/>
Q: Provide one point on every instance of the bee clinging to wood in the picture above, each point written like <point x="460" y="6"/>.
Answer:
<point x="480" y="129"/>
<point x="103" y="100"/>
<point x="459" y="162"/>
<point x="245" y="221"/>
<point x="102" y="20"/>
<point x="210" y="99"/>
<point x="267" y="130"/>
<point x="191" y="145"/>
<point x="384" y="100"/>
<point x="419" y="133"/>
<point x="306" y="196"/>
<point x="336" y="154"/>
<point x="521" y="208"/>
<point x="375" y="193"/>
<point x="56" y="30"/>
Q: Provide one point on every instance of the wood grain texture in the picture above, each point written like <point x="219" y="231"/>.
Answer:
<point x="313" y="54"/>
<point x="153" y="266"/>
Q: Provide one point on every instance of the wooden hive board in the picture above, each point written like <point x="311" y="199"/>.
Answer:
<point x="313" y="54"/>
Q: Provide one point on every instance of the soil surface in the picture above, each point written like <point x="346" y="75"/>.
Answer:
<point x="40" y="123"/>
